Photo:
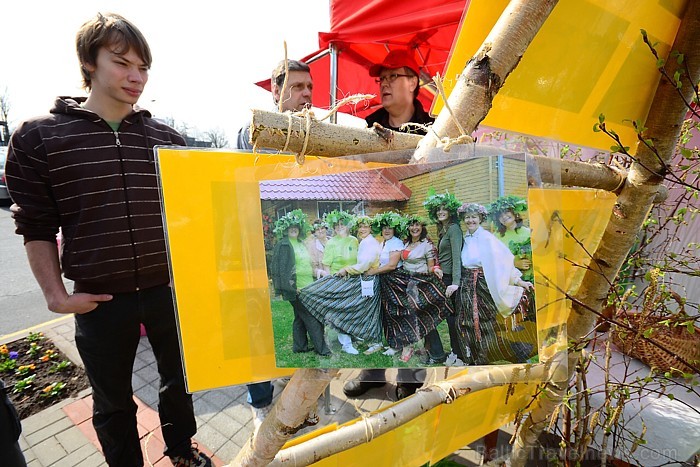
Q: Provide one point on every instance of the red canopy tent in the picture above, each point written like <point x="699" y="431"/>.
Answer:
<point x="363" y="31"/>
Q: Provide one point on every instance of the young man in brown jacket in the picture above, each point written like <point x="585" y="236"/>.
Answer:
<point x="88" y="169"/>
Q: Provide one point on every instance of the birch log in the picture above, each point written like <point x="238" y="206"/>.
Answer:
<point x="485" y="73"/>
<point x="289" y="132"/>
<point x="441" y="392"/>
<point x="293" y="411"/>
<point x="666" y="116"/>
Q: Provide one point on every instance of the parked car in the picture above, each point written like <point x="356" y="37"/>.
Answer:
<point x="4" y="194"/>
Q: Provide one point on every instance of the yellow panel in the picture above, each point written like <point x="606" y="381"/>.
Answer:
<point x="452" y="426"/>
<point x="214" y="233"/>
<point x="588" y="59"/>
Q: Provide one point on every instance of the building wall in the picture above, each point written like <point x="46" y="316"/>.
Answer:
<point x="474" y="181"/>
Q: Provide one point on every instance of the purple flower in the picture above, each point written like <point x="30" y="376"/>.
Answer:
<point x="13" y="355"/>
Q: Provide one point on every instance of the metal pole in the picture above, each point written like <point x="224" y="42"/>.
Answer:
<point x="334" y="80"/>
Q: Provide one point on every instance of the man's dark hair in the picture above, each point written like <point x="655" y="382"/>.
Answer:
<point x="108" y="30"/>
<point x="278" y="73"/>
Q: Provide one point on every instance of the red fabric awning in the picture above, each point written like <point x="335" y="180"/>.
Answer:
<point x="363" y="31"/>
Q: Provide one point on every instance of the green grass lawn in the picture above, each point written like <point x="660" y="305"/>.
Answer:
<point x="282" y="318"/>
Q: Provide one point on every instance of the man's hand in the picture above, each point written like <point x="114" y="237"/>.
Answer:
<point x="451" y="289"/>
<point x="79" y="303"/>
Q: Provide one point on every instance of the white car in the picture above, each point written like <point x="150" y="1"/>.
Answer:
<point x="4" y="194"/>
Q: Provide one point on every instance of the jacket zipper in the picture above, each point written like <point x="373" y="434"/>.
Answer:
<point x="128" y="211"/>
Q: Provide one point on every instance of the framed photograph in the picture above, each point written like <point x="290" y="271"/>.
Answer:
<point x="407" y="266"/>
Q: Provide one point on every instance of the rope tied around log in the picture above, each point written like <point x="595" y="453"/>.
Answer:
<point x="463" y="138"/>
<point x="309" y="117"/>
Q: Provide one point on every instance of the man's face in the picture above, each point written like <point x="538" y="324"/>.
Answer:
<point x="117" y="79"/>
<point x="298" y="93"/>
<point x="399" y="92"/>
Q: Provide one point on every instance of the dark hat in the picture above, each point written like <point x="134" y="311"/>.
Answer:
<point x="395" y="59"/>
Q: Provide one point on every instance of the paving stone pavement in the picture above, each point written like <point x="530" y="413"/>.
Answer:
<point x="62" y="435"/>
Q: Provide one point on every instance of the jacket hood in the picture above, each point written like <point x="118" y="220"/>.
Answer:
<point x="72" y="106"/>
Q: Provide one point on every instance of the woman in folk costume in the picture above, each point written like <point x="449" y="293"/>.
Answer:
<point x="413" y="299"/>
<point x="506" y="217"/>
<point x="316" y="244"/>
<point x="442" y="210"/>
<point x="491" y="289"/>
<point x="339" y="300"/>
<point x="291" y="271"/>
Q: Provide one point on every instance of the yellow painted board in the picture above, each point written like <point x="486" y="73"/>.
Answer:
<point x="213" y="224"/>
<point x="588" y="59"/>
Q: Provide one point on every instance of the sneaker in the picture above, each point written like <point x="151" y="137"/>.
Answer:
<point x="454" y="360"/>
<point x="389" y="352"/>
<point x="373" y="348"/>
<point x="194" y="458"/>
<point x="356" y="388"/>
<point x="259" y="414"/>
<point x="348" y="348"/>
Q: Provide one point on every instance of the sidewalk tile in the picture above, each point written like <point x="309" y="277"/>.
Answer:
<point x="49" y="431"/>
<point x="76" y="457"/>
<point x="152" y="449"/>
<point x="40" y="420"/>
<point x="89" y="431"/>
<point x="73" y="439"/>
<point x="49" y="451"/>
<point x="95" y="460"/>
<point x="210" y="437"/>
<point x="148" y="418"/>
<point x="79" y="411"/>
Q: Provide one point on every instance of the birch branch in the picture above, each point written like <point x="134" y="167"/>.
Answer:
<point x="663" y="125"/>
<point x="486" y="72"/>
<point x="441" y="392"/>
<point x="294" y="410"/>
<point x="287" y="132"/>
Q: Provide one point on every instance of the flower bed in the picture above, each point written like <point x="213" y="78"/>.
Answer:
<point x="37" y="374"/>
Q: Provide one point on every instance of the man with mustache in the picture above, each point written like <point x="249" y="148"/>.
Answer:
<point x="297" y="96"/>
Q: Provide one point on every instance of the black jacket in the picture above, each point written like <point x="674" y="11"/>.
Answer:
<point x="381" y="116"/>
<point x="284" y="277"/>
<point x="70" y="170"/>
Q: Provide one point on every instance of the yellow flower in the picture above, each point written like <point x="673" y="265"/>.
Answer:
<point x="4" y="350"/>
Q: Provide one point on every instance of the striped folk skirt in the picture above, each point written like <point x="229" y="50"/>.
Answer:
<point x="486" y="337"/>
<point x="338" y="302"/>
<point x="413" y="304"/>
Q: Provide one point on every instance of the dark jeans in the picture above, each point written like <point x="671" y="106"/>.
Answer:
<point x="305" y="322"/>
<point x="452" y="322"/>
<point x="107" y="339"/>
<point x="260" y="394"/>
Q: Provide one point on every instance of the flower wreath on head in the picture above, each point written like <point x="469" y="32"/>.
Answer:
<point x="434" y="201"/>
<point x="415" y="218"/>
<point x="473" y="208"/>
<point x="360" y="220"/>
<point x="334" y="217"/>
<point x="318" y="224"/>
<point x="505" y="203"/>
<point x="389" y="219"/>
<point x="292" y="218"/>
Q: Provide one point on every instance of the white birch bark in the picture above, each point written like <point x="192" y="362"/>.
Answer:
<point x="486" y="72"/>
<point x="641" y="187"/>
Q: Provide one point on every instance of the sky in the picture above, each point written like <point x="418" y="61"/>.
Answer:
<point x="206" y="53"/>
